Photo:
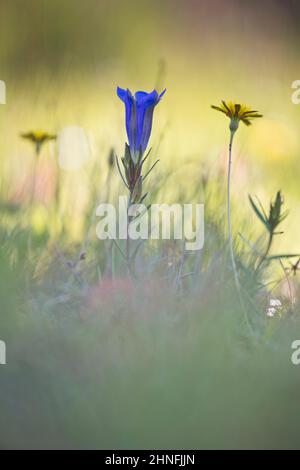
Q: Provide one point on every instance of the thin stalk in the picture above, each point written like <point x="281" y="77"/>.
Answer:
<point x="32" y="199"/>
<point x="229" y="214"/>
<point x="127" y="233"/>
<point x="129" y="253"/>
<point x="263" y="258"/>
<point x="230" y="241"/>
<point x="289" y="286"/>
<point x="127" y="244"/>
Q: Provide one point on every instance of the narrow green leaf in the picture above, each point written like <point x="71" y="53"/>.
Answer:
<point x="148" y="172"/>
<point x="286" y="256"/>
<point x="258" y="213"/>
<point x="121" y="174"/>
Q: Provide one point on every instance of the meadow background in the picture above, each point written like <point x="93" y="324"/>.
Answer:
<point x="96" y="359"/>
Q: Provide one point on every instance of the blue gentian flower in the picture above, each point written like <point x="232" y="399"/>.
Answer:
<point x="138" y="115"/>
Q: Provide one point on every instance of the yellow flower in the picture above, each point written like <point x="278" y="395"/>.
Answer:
<point x="236" y="113"/>
<point x="38" y="137"/>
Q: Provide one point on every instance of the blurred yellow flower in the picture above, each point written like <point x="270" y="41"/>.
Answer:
<point x="38" y="138"/>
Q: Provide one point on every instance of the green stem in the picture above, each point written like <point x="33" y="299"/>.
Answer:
<point x="127" y="235"/>
<point x="34" y="175"/>
<point x="32" y="200"/>
<point x="230" y="240"/>
<point x="263" y="258"/>
<point x="229" y="214"/>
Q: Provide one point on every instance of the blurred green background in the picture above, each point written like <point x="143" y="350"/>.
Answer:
<point x="62" y="60"/>
<point x="150" y="366"/>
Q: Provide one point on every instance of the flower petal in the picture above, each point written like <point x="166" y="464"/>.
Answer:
<point x="139" y="95"/>
<point x="246" y="121"/>
<point x="162" y="93"/>
<point x="218" y="109"/>
<point x="147" y="127"/>
<point x="122" y="94"/>
<point x="145" y="107"/>
<point x="130" y="114"/>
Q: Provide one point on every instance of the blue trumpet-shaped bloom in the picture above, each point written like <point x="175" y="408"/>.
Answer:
<point x="139" y="116"/>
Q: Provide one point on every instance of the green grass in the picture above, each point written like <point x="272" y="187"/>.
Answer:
<point x="99" y="359"/>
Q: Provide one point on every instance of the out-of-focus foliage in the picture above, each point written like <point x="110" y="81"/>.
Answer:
<point x="162" y="359"/>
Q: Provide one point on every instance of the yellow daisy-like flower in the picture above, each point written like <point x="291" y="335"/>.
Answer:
<point x="236" y="113"/>
<point x="38" y="138"/>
